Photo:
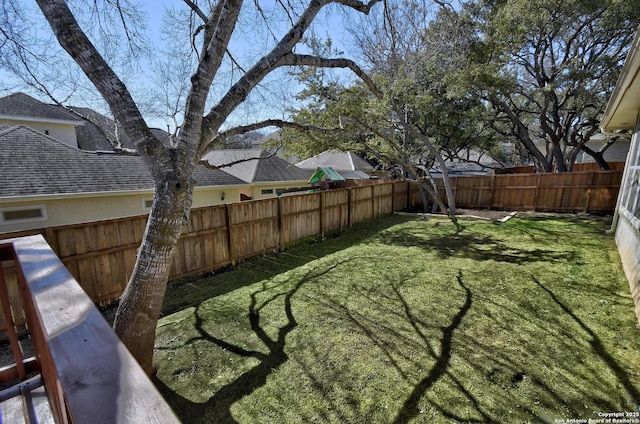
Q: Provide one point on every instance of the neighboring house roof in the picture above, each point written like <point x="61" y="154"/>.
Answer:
<point x="98" y="130"/>
<point x="102" y="133"/>
<point x="93" y="130"/>
<point x="622" y="109"/>
<point x="253" y="165"/>
<point x="340" y="161"/>
<point x="32" y="163"/>
<point x="616" y="152"/>
<point x="24" y="107"/>
<point x="459" y="168"/>
<point x="356" y="175"/>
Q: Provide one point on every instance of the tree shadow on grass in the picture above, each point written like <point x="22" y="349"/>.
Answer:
<point x="473" y="246"/>
<point x="410" y="408"/>
<point x="397" y="349"/>
<point x="597" y="346"/>
<point x="506" y="372"/>
<point x="188" y="292"/>
<point x="221" y="402"/>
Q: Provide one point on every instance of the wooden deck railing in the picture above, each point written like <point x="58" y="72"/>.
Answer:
<point x="88" y="374"/>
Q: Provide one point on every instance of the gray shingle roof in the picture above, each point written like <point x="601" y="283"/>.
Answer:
<point x="93" y="134"/>
<point x="32" y="163"/>
<point x="22" y="105"/>
<point x="255" y="165"/>
<point x="99" y="129"/>
<point x="340" y="161"/>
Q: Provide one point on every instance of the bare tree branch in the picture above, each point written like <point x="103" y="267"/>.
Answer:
<point x="112" y="89"/>
<point x="208" y="165"/>
<point x="273" y="123"/>
<point x="240" y="90"/>
<point x="194" y="7"/>
<point x="321" y="62"/>
<point x="243" y="129"/>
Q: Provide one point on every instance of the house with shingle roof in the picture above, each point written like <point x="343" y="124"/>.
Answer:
<point x="19" y="108"/>
<point x="76" y="126"/>
<point x="99" y="132"/>
<point x="266" y="174"/>
<point x="348" y="164"/>
<point x="47" y="182"/>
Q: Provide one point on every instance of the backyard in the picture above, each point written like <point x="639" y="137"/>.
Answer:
<point x="404" y="319"/>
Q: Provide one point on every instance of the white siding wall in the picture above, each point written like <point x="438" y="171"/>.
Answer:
<point x="63" y="132"/>
<point x="72" y="210"/>
<point x="628" y="226"/>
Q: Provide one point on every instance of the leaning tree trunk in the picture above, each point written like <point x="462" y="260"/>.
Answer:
<point x="451" y="199"/>
<point x="558" y="156"/>
<point x="598" y="157"/>
<point x="141" y="302"/>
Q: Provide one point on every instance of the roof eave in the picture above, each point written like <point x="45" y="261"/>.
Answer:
<point x="86" y="194"/>
<point x="622" y="109"/>
<point x="45" y="120"/>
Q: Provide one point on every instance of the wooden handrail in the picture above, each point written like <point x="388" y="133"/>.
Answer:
<point x="88" y="374"/>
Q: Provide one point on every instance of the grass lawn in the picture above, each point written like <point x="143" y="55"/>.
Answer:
<point x="405" y="320"/>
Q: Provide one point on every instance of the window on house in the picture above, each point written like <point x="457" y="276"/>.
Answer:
<point x="17" y="214"/>
<point x="147" y="203"/>
<point x="266" y="191"/>
<point x="633" y="201"/>
<point x="630" y="199"/>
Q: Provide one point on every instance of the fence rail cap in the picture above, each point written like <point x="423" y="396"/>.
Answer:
<point x="96" y="372"/>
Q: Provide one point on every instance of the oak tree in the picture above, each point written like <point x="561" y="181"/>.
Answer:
<point x="547" y="69"/>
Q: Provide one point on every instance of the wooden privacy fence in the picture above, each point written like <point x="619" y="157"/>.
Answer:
<point x="586" y="192"/>
<point x="578" y="167"/>
<point x="101" y="255"/>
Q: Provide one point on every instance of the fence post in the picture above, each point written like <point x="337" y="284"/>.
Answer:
<point x="588" y="192"/>
<point x="393" y="197"/>
<point x="537" y="190"/>
<point x="493" y="188"/>
<point x="373" y="201"/>
<point x="321" y="215"/>
<point x="232" y="253"/>
<point x="281" y="241"/>
<point x="349" y="207"/>
<point x="455" y="190"/>
<point x="51" y="238"/>
<point x="340" y="216"/>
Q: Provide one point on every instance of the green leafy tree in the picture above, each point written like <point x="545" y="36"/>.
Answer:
<point x="547" y="68"/>
<point x="363" y="118"/>
<point x="416" y="123"/>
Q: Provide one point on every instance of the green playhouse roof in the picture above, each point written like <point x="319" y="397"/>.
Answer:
<point x="325" y="172"/>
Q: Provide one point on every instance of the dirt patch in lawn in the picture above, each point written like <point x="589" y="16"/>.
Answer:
<point x="485" y="214"/>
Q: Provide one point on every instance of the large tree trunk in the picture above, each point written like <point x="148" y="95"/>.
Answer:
<point x="141" y="302"/>
<point x="558" y="157"/>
